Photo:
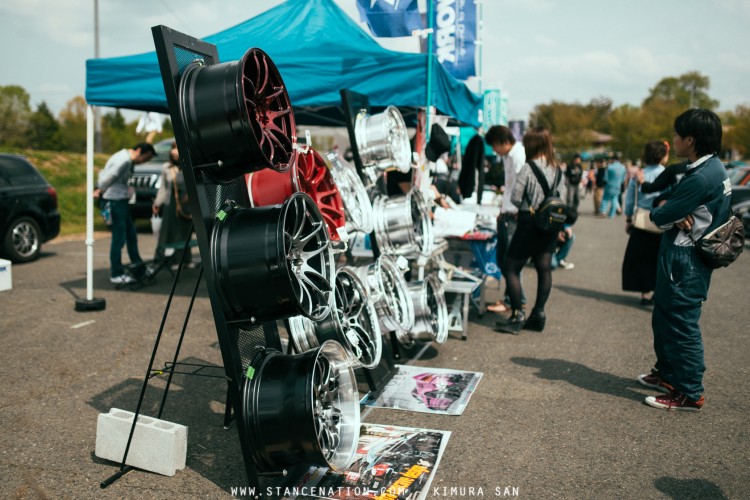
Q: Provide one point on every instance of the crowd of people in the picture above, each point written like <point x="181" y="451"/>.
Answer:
<point x="666" y="211"/>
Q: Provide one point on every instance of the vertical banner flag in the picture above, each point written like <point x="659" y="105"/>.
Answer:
<point x="455" y="26"/>
<point x="390" y="18"/>
<point x="492" y="110"/>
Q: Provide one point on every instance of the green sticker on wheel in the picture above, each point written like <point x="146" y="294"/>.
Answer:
<point x="221" y="215"/>
<point x="250" y="372"/>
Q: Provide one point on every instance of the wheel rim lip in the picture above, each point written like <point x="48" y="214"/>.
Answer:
<point x="21" y="241"/>
<point x="353" y="194"/>
<point x="327" y="266"/>
<point x="302" y="333"/>
<point x="369" y="310"/>
<point x="281" y="100"/>
<point x="417" y="242"/>
<point x="425" y="315"/>
<point x="334" y="352"/>
<point x="394" y="140"/>
<point x="392" y="306"/>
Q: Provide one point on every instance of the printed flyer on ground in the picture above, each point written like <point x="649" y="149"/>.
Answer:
<point x="391" y="463"/>
<point x="427" y="390"/>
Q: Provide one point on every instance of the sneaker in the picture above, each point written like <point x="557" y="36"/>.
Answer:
<point x="654" y="381"/>
<point x="675" y="401"/>
<point x="566" y="265"/>
<point x="123" y="279"/>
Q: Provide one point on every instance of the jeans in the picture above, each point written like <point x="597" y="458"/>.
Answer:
<point x="123" y="232"/>
<point x="563" y="251"/>
<point x="610" y="201"/>
<point x="682" y="282"/>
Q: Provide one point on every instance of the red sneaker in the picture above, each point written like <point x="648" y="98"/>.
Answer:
<point x="654" y="381"/>
<point x="675" y="401"/>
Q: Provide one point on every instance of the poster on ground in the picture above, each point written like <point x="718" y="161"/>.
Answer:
<point x="426" y="390"/>
<point x="391" y="463"/>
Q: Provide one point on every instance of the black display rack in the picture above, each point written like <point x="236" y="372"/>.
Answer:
<point x="239" y="341"/>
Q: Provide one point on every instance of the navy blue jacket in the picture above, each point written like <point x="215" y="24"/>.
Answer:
<point x="704" y="192"/>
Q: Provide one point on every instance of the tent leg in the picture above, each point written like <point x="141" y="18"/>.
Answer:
<point x="90" y="303"/>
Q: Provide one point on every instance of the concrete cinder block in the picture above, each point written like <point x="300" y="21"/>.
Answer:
<point x="6" y="275"/>
<point x="158" y="446"/>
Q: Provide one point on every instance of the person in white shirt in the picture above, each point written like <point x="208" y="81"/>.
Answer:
<point x="504" y="144"/>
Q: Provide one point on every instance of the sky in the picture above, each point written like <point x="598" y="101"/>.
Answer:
<point x="536" y="51"/>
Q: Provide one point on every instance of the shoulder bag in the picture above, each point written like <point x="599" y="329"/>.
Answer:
<point x="642" y="217"/>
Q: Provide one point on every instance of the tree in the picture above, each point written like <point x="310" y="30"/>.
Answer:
<point x="15" y="113"/>
<point x="738" y="133"/>
<point x="72" y="133"/>
<point x="116" y="134"/>
<point x="572" y="124"/>
<point x="685" y="91"/>
<point x="43" y="129"/>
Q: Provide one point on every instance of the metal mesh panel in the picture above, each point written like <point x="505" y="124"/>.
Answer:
<point x="185" y="56"/>
<point x="249" y="343"/>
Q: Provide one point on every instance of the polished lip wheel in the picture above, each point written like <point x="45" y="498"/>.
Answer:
<point x="430" y="310"/>
<point x="302" y="409"/>
<point x="238" y="116"/>
<point x="389" y="292"/>
<point x="273" y="262"/>
<point x="383" y="140"/>
<point x="357" y="205"/>
<point x="403" y="225"/>
<point x="353" y="322"/>
<point x="25" y="240"/>
<point x="308" y="256"/>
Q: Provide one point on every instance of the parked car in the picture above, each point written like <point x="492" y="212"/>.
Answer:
<point x="740" y="179"/>
<point x="145" y="180"/>
<point x="28" y="209"/>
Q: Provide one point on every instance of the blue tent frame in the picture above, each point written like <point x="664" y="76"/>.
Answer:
<point x="318" y="50"/>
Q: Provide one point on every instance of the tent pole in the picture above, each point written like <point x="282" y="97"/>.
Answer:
<point x="89" y="303"/>
<point x="430" y="29"/>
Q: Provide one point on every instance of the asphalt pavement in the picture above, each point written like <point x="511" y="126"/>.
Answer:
<point x="558" y="414"/>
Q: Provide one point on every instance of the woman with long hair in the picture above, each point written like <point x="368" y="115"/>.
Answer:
<point x="529" y="241"/>
<point x="639" y="264"/>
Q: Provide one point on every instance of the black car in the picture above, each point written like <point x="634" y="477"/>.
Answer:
<point x="740" y="179"/>
<point x="28" y="209"/>
<point x="145" y="180"/>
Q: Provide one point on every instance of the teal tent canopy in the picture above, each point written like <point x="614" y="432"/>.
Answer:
<point x="318" y="50"/>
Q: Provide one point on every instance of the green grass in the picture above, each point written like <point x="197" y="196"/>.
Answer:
<point x="67" y="174"/>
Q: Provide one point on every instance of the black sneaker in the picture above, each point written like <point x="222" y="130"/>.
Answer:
<point x="513" y="325"/>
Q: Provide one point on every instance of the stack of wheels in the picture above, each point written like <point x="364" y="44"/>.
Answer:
<point x="389" y="293"/>
<point x="430" y="310"/>
<point x="310" y="175"/>
<point x="383" y="140"/>
<point x="238" y="116"/>
<point x="319" y="428"/>
<point x="273" y="262"/>
<point x="403" y="225"/>
<point x="353" y="322"/>
<point x="357" y="205"/>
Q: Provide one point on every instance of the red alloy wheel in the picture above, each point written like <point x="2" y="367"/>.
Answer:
<point x="274" y="126"/>
<point x="309" y="175"/>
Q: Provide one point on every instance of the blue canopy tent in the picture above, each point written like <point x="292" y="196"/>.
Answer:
<point x="318" y="49"/>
